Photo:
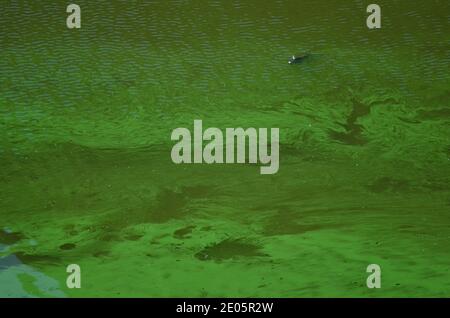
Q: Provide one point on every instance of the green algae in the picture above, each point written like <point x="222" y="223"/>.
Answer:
<point x="229" y="249"/>
<point x="364" y="147"/>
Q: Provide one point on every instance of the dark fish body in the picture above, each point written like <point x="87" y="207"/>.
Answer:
<point x="295" y="59"/>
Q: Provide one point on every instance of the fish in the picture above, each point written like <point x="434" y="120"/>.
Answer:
<point x="295" y="59"/>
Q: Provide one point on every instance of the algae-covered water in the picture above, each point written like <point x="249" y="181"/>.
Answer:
<point x="86" y="174"/>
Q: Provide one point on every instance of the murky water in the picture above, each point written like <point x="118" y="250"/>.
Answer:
<point x="86" y="117"/>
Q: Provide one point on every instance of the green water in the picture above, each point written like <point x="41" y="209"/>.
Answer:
<point x="86" y="175"/>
